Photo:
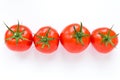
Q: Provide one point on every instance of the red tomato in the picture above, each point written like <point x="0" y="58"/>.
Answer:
<point x="46" y="40"/>
<point x="104" y="39"/>
<point x="75" y="38"/>
<point x="18" y="37"/>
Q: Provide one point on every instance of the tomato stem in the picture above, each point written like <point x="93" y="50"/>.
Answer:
<point x="107" y="39"/>
<point x="79" y="34"/>
<point x="44" y="39"/>
<point x="114" y="36"/>
<point x="18" y="27"/>
<point x="9" y="28"/>
<point x="16" y="34"/>
<point x="81" y="26"/>
<point x="47" y="32"/>
<point x="74" y="29"/>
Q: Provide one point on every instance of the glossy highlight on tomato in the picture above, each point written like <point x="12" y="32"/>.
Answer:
<point x="75" y="38"/>
<point x="46" y="40"/>
<point x="18" y="38"/>
<point x="104" y="39"/>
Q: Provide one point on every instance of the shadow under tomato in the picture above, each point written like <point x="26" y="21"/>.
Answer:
<point x="100" y="57"/>
<point x="42" y="57"/>
<point x="24" y="55"/>
<point x="72" y="57"/>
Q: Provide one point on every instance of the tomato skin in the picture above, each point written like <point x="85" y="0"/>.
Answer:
<point x="22" y="45"/>
<point x="53" y="44"/>
<point x="96" y="40"/>
<point x="70" y="43"/>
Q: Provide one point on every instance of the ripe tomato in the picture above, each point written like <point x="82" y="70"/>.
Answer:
<point x="75" y="38"/>
<point x="18" y="37"/>
<point x="46" y="40"/>
<point x="104" y="39"/>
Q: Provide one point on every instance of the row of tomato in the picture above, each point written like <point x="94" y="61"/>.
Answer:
<point x="75" y="38"/>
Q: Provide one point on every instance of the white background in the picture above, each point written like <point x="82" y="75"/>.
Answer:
<point x="61" y="65"/>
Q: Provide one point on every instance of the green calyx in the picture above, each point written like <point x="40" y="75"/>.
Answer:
<point x="107" y="39"/>
<point x="16" y="34"/>
<point x="44" y="39"/>
<point x="79" y="34"/>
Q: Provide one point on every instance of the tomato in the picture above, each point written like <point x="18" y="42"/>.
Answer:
<point x="104" y="39"/>
<point x="75" y="38"/>
<point x="46" y="40"/>
<point x="18" y="37"/>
